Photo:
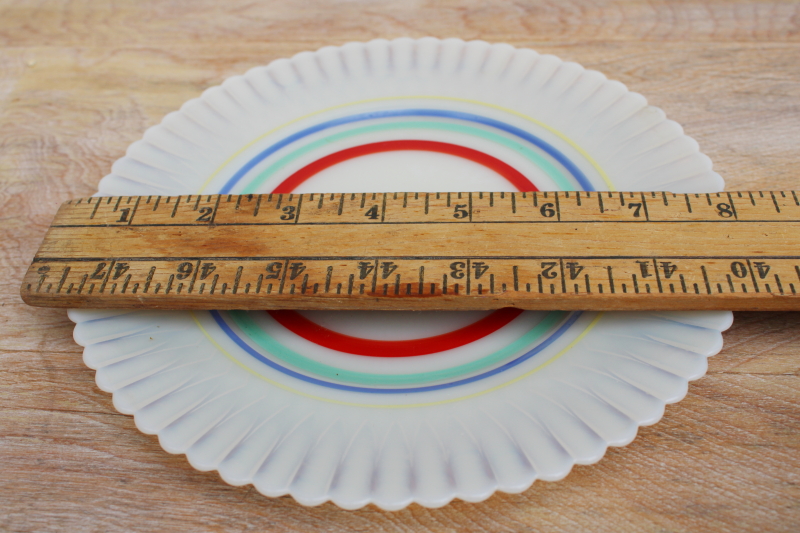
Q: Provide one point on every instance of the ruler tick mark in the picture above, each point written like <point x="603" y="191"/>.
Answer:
<point x="96" y="205"/>
<point x="705" y="278"/>
<point x="175" y="208"/>
<point x="299" y="207"/>
<point x="644" y="205"/>
<point x="733" y="207"/>
<point x="237" y="278"/>
<point x="775" y="202"/>
<point x="328" y="279"/>
<point x="753" y="276"/>
<point x="214" y="283"/>
<point x="63" y="279"/>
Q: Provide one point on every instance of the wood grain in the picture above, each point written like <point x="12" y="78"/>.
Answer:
<point x="80" y="81"/>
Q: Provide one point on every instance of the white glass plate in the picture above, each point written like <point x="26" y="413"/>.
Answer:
<point x="466" y="403"/>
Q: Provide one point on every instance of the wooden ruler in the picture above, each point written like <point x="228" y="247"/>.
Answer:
<point x="479" y="250"/>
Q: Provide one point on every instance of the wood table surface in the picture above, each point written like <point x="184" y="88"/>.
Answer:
<point x="81" y="80"/>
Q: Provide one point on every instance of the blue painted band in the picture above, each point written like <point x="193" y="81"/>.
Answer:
<point x="522" y="358"/>
<point x="579" y="176"/>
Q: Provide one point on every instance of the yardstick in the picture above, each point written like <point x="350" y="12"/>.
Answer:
<point x="450" y="250"/>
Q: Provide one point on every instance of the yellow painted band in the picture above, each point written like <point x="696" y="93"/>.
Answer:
<point x="577" y="339"/>
<point x="560" y="135"/>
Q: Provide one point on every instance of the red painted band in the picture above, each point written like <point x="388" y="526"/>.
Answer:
<point x="317" y="334"/>
<point x="514" y="176"/>
<point x="300" y="325"/>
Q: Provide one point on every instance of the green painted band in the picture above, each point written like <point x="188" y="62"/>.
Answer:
<point x="263" y="340"/>
<point x="549" y="168"/>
